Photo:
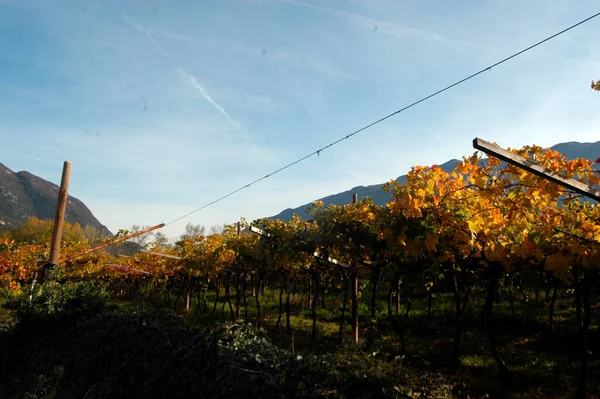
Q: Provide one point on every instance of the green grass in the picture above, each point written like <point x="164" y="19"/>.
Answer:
<point x="542" y="363"/>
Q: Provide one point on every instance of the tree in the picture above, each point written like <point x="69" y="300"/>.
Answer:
<point x="39" y="231"/>
<point x="141" y="240"/>
<point x="91" y="233"/>
<point x="161" y="240"/>
<point x="192" y="230"/>
<point x="217" y="229"/>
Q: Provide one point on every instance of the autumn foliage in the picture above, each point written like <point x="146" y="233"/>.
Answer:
<point x="484" y="213"/>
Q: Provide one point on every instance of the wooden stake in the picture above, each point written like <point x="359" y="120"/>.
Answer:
<point x="354" y="294"/>
<point x="355" y="307"/>
<point x="59" y="219"/>
<point x="237" y="285"/>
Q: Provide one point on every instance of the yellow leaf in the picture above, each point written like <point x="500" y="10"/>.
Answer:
<point x="402" y="239"/>
<point x="431" y="243"/>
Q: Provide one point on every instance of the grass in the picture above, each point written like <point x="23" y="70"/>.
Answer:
<point x="542" y="363"/>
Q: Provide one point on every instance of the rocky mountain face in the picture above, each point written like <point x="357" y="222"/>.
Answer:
<point x="572" y="150"/>
<point x="23" y="195"/>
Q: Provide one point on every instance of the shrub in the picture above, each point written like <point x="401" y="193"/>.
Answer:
<point x="54" y="301"/>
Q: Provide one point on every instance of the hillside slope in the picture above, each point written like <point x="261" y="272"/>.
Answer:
<point x="23" y="195"/>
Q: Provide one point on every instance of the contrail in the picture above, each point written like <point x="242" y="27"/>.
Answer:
<point x="194" y="83"/>
<point x="146" y="32"/>
<point x="188" y="78"/>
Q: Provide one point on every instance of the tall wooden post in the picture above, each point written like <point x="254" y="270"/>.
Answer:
<point x="59" y="220"/>
<point x="355" y="294"/>
<point x="237" y="285"/>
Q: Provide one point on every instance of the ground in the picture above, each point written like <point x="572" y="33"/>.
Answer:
<point x="126" y="349"/>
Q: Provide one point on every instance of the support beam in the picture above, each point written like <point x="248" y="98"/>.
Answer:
<point x="145" y="251"/>
<point x="260" y="232"/>
<point x="113" y="242"/>
<point x="333" y="261"/>
<point x="127" y="269"/>
<point x="576" y="236"/>
<point x="532" y="167"/>
<point x="373" y="264"/>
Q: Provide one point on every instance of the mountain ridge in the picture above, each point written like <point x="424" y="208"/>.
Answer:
<point x="572" y="149"/>
<point x="24" y="195"/>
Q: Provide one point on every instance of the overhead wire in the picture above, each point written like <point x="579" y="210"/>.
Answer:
<point x="378" y="121"/>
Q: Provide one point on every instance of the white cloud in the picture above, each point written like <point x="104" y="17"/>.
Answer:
<point x="374" y="24"/>
<point x="176" y="35"/>
<point x="256" y="50"/>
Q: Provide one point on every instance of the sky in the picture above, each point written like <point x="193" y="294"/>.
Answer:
<point x="163" y="107"/>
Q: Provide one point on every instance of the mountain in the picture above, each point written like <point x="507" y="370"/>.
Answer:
<point x="23" y="195"/>
<point x="571" y="149"/>
<point x="374" y="191"/>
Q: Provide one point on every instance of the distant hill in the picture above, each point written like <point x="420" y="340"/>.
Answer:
<point x="23" y="195"/>
<point x="572" y="149"/>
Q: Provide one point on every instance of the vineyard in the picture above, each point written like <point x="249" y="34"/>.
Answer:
<point x="467" y="272"/>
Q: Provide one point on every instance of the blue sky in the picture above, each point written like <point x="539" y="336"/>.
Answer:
<point x="165" y="106"/>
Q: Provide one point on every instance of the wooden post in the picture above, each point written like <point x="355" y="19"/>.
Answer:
<point x="355" y="306"/>
<point x="355" y="294"/>
<point x="59" y="219"/>
<point x="237" y="285"/>
<point x="310" y="291"/>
